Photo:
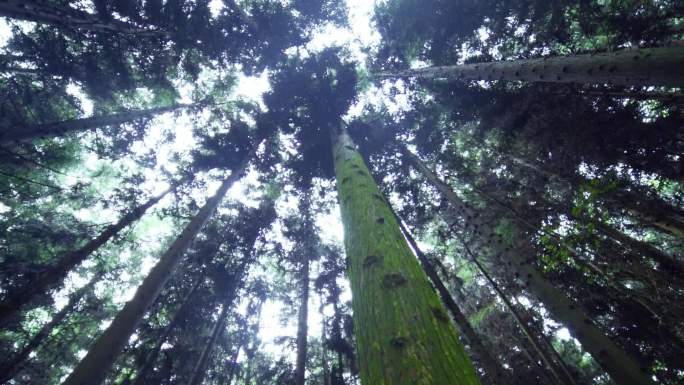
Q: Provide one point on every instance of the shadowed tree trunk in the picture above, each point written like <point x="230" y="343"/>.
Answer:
<point x="622" y="368"/>
<point x="550" y="357"/>
<point x="201" y="366"/>
<point x="48" y="130"/>
<point x="151" y="359"/>
<point x="303" y="321"/>
<point x="13" y="365"/>
<point x="403" y="334"/>
<point x="66" y="17"/>
<point x="102" y="354"/>
<point x="648" y="67"/>
<point x="324" y="350"/>
<point x="53" y="275"/>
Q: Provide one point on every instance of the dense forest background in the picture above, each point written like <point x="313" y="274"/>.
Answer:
<point x="321" y="192"/>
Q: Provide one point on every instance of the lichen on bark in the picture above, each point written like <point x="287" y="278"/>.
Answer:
<point x="401" y="338"/>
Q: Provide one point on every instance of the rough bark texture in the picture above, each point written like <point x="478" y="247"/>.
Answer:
<point x="645" y="67"/>
<point x="102" y="354"/>
<point x="623" y="369"/>
<point x="12" y="366"/>
<point x="66" y="17"/>
<point x="403" y="334"/>
<point x="56" y="273"/>
<point x="494" y="372"/>
<point x="302" y="322"/>
<point x="48" y="130"/>
<point x="203" y="360"/>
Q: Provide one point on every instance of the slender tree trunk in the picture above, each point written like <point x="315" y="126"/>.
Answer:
<point x="324" y="350"/>
<point x="402" y="332"/>
<point x="666" y="261"/>
<point x="303" y="322"/>
<point x="48" y="130"/>
<point x="494" y="371"/>
<point x="233" y="364"/>
<point x="201" y="366"/>
<point x="12" y="366"/>
<point x="53" y="275"/>
<point x="622" y="368"/>
<point x="151" y="359"/>
<point x="553" y="362"/>
<point x="67" y="17"/>
<point x="648" y="67"/>
<point x="102" y="354"/>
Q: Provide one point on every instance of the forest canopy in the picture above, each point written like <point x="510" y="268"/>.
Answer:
<point x="341" y="192"/>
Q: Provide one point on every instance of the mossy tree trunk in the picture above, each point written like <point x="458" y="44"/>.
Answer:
<point x="53" y="275"/>
<point x="494" y="371"/>
<point x="631" y="67"/>
<point x="402" y="331"/>
<point x="94" y="366"/>
<point x="622" y="368"/>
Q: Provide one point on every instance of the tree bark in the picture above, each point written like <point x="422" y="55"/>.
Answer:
<point x="151" y="359"/>
<point x="53" y="275"/>
<point x="203" y="360"/>
<point x="303" y="321"/>
<point x="12" y="366"/>
<point x="102" y="354"/>
<point x="324" y="350"/>
<point x="48" y="130"/>
<point x="67" y="17"/>
<point x="403" y="334"/>
<point x="494" y="371"/>
<point x="640" y="67"/>
<point x="553" y="363"/>
<point x="621" y="367"/>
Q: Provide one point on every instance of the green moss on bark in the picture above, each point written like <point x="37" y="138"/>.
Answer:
<point x="401" y="334"/>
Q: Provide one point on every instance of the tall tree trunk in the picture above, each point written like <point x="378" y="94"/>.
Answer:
<point x="53" y="275"/>
<point x="494" y="371"/>
<point x="94" y="366"/>
<point x="622" y="368"/>
<point x="324" y="350"/>
<point x="13" y="365"/>
<point x="550" y="357"/>
<point x="201" y="365"/>
<point x="666" y="261"/>
<point x="233" y="364"/>
<point x="67" y="17"/>
<point x="403" y="334"/>
<point x="647" y="66"/>
<point x="151" y="359"/>
<point x="48" y="130"/>
<point x="303" y="321"/>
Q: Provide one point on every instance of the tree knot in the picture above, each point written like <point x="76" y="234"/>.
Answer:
<point x="393" y="280"/>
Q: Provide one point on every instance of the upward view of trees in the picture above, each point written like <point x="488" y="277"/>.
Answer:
<point x="267" y="192"/>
